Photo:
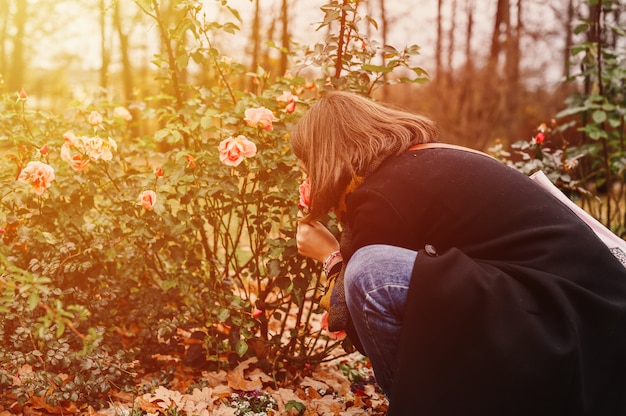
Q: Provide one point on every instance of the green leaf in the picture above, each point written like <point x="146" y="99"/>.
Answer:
<point x="294" y="404"/>
<point x="182" y="61"/>
<point x="33" y="299"/>
<point x="583" y="27"/>
<point x="223" y="315"/>
<point x="168" y="284"/>
<point x="571" y="111"/>
<point x="376" y="68"/>
<point x="241" y="347"/>
<point x="235" y="13"/>
<point x="161" y="134"/>
<point x="60" y="331"/>
<point x="599" y="116"/>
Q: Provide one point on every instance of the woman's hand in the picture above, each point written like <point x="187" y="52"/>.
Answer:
<point x="315" y="241"/>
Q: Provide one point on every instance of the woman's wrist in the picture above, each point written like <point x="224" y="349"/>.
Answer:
<point x="332" y="259"/>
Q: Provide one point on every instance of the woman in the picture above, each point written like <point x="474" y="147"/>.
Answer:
<point x="471" y="290"/>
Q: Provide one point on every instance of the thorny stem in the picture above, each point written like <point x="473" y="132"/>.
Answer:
<point x="345" y="32"/>
<point x="340" y="42"/>
<point x="219" y="70"/>
<point x="30" y="133"/>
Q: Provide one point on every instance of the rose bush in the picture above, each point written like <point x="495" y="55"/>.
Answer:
<point x="142" y="244"/>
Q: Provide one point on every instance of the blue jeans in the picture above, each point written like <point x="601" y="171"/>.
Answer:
<point x="376" y="282"/>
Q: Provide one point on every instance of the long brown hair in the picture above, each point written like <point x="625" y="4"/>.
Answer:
<point x="344" y="135"/>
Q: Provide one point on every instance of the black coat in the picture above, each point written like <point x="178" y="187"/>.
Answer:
<point x="523" y="309"/>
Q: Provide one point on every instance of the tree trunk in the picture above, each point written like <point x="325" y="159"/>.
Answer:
<point x="501" y="29"/>
<point x="569" y="25"/>
<point x="469" y="61"/>
<point x="255" y="37"/>
<point x="451" y="46"/>
<point x="284" y="15"/>
<point x="127" y="70"/>
<point x="383" y="31"/>
<point x="4" y="21"/>
<point x="104" y="53"/>
<point x="438" y="42"/>
<point x="512" y="49"/>
<point x="16" y="72"/>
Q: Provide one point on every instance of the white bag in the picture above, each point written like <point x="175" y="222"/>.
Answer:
<point x="616" y="244"/>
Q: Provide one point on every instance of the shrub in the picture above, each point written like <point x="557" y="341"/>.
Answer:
<point x="118" y="249"/>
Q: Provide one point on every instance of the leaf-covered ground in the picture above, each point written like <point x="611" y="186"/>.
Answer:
<point x="344" y="386"/>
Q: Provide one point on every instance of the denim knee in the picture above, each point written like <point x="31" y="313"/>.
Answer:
<point x="375" y="265"/>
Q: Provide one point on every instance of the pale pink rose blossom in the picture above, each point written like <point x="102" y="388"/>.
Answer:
<point x="79" y="151"/>
<point x="234" y="150"/>
<point x="286" y="97"/>
<point x="76" y="161"/>
<point x="288" y="100"/>
<point x="122" y="113"/>
<point x="260" y="116"/>
<point x="147" y="199"/>
<point x="95" y="118"/>
<point x="97" y="148"/>
<point x="37" y="174"/>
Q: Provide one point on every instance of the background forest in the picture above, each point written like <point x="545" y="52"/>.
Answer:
<point x="493" y="77"/>
<point x="149" y="197"/>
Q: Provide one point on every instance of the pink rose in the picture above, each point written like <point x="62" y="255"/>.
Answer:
<point x="288" y="100"/>
<point x="37" y="174"/>
<point x="286" y="97"/>
<point x="122" y="113"/>
<point x="148" y="199"/>
<point x="305" y="194"/>
<point x="95" y="118"/>
<point x="233" y="150"/>
<point x="336" y="335"/>
<point x="87" y="149"/>
<point x="291" y="107"/>
<point x="76" y="161"/>
<point x="257" y="313"/>
<point x="260" y="116"/>
<point x="540" y="137"/>
<point x="98" y="148"/>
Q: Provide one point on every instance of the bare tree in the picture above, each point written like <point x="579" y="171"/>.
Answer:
<point x="4" y="36"/>
<point x="513" y="48"/>
<point x="15" y="76"/>
<point x="501" y="31"/>
<point x="470" y="6"/>
<point x="104" y="52"/>
<point x="255" y="37"/>
<point x="383" y="26"/>
<point x="284" y="17"/>
<point x="451" y="39"/>
<point x="127" y="70"/>
<point x="438" y="42"/>
<point x="568" y="26"/>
